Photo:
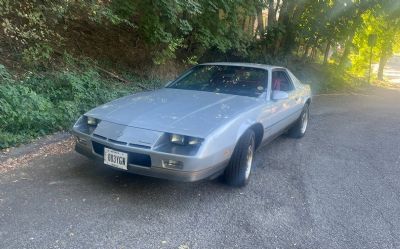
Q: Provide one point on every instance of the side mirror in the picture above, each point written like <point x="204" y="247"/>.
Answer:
<point x="278" y="95"/>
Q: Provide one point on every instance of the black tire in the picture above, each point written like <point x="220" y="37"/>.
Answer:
<point x="236" y="173"/>
<point x="297" y="130"/>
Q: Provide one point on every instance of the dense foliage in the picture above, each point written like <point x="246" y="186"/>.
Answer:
<point x="41" y="104"/>
<point x="191" y="30"/>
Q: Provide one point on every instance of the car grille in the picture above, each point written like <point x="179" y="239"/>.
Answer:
<point x="122" y="143"/>
<point x="133" y="157"/>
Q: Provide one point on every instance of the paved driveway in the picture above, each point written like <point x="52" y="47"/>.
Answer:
<point x="338" y="187"/>
<point x="392" y="70"/>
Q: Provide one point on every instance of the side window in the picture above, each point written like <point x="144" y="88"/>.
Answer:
<point x="281" y="81"/>
<point x="295" y="80"/>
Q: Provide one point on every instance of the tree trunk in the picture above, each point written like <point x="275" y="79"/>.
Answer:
<point x="349" y="42"/>
<point x="347" y="49"/>
<point x="244" y="24"/>
<point x="260" y="21"/>
<point x="251" y="25"/>
<point x="314" y="48"/>
<point x="281" y="21"/>
<point x="271" y="13"/>
<point x="327" y="49"/>
<point x="285" y="18"/>
<point x="278" y="3"/>
<point x="306" y="50"/>
<point x="382" y="63"/>
<point x="298" y="50"/>
<point x="386" y="52"/>
<point x="314" y="53"/>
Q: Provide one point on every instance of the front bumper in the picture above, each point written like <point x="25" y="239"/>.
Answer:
<point x="199" y="168"/>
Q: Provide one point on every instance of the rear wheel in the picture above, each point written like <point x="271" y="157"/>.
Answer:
<point x="300" y="127"/>
<point x="238" y="171"/>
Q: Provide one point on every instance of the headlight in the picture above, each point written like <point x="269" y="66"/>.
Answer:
<point x="184" y="140"/>
<point x="91" y="121"/>
<point x="177" y="139"/>
<point x="193" y="141"/>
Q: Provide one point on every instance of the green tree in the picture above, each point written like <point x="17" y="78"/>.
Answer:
<point x="385" y="23"/>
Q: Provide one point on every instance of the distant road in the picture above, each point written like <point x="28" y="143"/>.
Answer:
<point x="392" y="70"/>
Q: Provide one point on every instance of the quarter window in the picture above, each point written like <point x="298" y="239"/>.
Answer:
<point x="281" y="81"/>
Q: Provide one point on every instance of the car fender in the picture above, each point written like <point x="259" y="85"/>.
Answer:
<point x="243" y="128"/>
<point x="223" y="140"/>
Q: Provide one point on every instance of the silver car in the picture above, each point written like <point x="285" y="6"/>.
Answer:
<point x="206" y="123"/>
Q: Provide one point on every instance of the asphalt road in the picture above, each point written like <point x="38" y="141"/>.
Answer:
<point x="338" y="187"/>
<point x="392" y="70"/>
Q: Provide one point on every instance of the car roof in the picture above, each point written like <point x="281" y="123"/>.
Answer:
<point x="242" y="64"/>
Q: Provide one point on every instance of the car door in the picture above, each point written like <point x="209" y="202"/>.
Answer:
<point x="278" y="114"/>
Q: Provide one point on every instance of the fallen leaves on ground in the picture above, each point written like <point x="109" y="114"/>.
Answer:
<point x="57" y="148"/>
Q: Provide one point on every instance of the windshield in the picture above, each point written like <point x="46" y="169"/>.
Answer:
<point x="245" y="81"/>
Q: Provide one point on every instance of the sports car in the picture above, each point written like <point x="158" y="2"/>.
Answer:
<point x="206" y="123"/>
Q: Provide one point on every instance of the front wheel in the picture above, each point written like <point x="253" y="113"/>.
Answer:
<point x="237" y="173"/>
<point x="300" y="127"/>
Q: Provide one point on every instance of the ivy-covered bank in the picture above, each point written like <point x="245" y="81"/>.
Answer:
<point x="39" y="104"/>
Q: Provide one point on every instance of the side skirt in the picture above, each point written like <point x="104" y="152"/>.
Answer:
<point x="274" y="136"/>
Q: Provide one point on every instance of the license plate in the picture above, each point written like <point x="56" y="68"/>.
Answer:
<point x="116" y="158"/>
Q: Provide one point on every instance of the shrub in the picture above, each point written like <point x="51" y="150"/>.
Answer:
<point x="23" y="112"/>
<point x="43" y="104"/>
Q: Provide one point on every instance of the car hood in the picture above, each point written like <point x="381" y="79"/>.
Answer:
<point x="186" y="112"/>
